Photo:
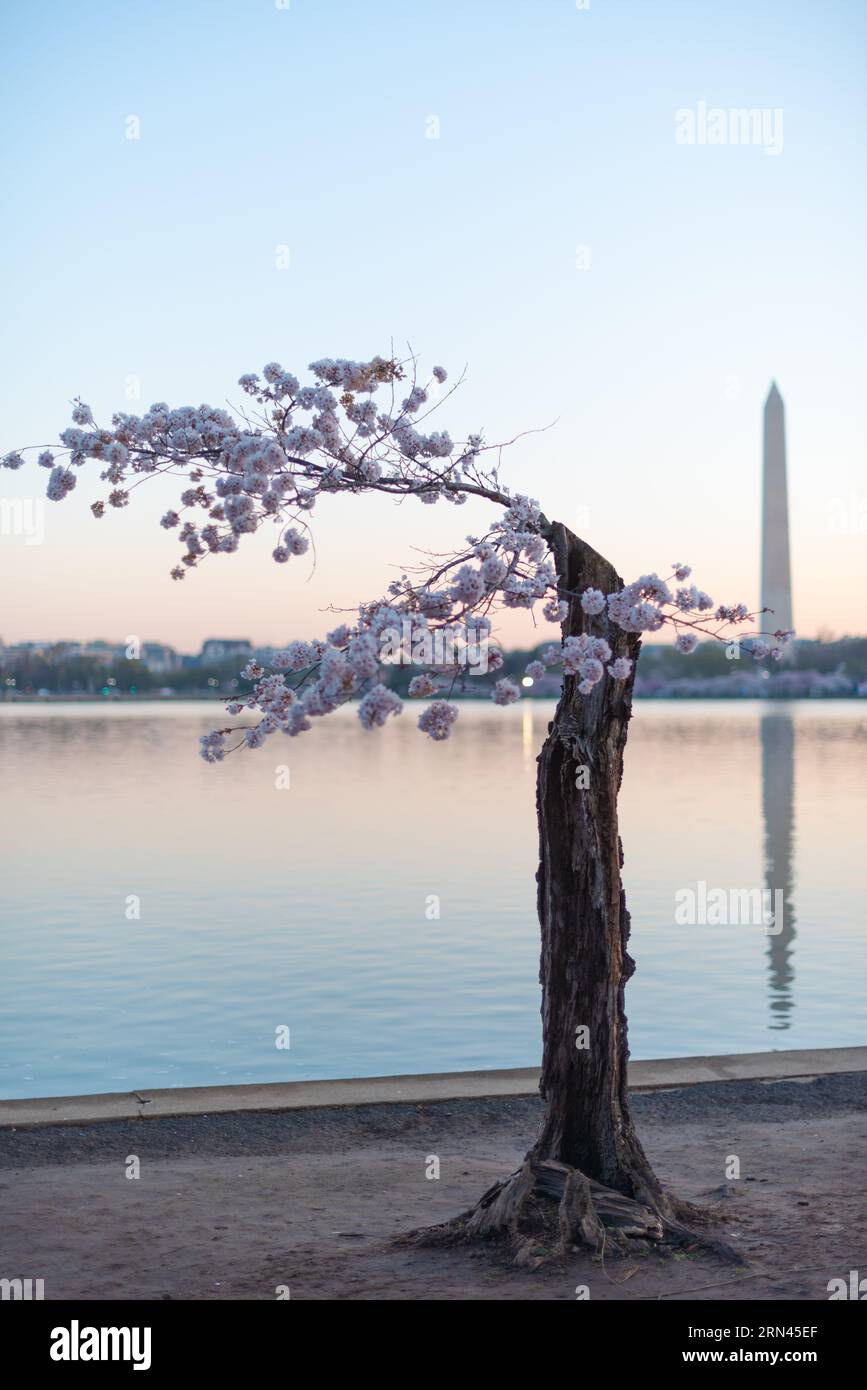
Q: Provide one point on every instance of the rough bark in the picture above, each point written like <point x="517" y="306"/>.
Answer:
<point x="586" y="1180"/>
<point x="582" y="907"/>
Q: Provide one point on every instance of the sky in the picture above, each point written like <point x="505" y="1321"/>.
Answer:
<point x="499" y="185"/>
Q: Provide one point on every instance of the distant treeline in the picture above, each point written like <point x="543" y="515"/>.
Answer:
<point x="815" y="669"/>
<point x="87" y="675"/>
<point x="812" y="670"/>
<point x="848" y="655"/>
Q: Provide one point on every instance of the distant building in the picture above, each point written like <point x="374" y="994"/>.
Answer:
<point x="216" y="649"/>
<point x="159" y="657"/>
<point x="29" y="648"/>
<point x="105" y="652"/>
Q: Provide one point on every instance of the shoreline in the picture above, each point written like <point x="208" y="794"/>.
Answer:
<point x="275" y="1097"/>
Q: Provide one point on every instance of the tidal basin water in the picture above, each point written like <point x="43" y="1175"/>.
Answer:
<point x="313" y="908"/>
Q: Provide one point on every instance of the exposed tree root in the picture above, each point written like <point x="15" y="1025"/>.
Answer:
<point x="546" y="1209"/>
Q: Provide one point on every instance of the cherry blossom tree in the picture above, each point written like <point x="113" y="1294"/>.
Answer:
<point x="358" y="427"/>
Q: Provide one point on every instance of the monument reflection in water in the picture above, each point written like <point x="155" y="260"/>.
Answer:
<point x="778" y="812"/>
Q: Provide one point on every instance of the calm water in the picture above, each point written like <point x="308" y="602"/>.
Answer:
<point x="308" y="908"/>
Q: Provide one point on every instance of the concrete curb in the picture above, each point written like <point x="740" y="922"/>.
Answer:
<point x="391" y="1090"/>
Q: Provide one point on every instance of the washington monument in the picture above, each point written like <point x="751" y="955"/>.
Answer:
<point x="776" y="572"/>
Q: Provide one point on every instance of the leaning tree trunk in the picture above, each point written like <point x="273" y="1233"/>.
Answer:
<point x="582" y="907"/>
<point x="586" y="1180"/>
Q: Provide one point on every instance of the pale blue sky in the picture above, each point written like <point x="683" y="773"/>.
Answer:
<point x="711" y="270"/>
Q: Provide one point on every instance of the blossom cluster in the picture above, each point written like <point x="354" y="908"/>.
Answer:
<point x="312" y="679"/>
<point x="649" y="603"/>
<point x="272" y="461"/>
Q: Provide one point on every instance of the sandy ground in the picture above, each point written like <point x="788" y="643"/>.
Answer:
<point x="236" y="1206"/>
